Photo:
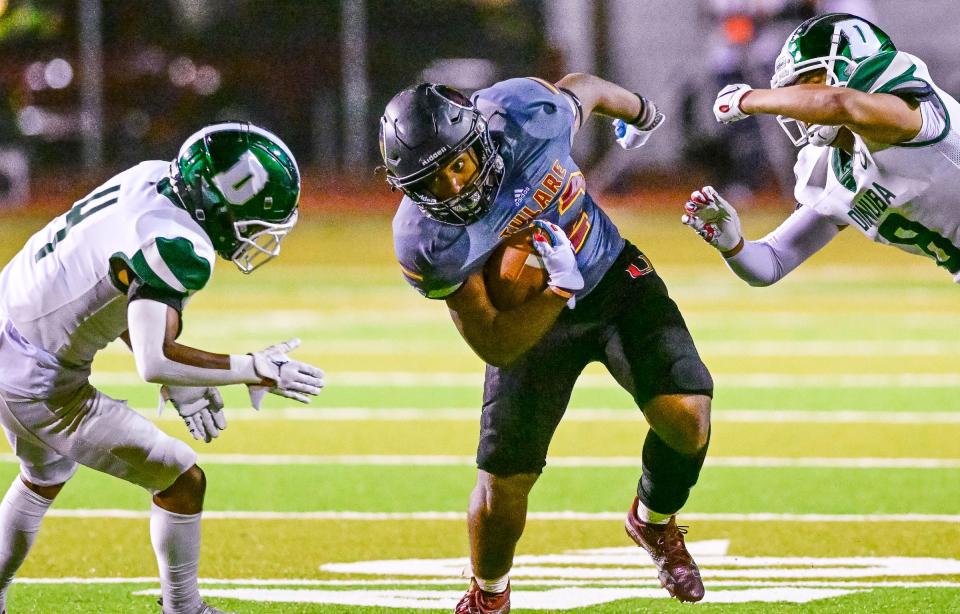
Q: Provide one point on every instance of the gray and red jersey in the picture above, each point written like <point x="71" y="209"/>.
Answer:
<point x="531" y="123"/>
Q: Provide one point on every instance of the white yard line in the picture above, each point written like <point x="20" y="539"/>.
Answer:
<point x="460" y="581"/>
<point x="406" y="414"/>
<point x="445" y="460"/>
<point x="460" y="516"/>
<point x="407" y="379"/>
<point x="732" y="348"/>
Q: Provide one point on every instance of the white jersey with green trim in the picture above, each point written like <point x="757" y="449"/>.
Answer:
<point x="66" y="290"/>
<point x="903" y="195"/>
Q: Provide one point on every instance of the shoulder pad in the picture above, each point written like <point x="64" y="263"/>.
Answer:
<point x="892" y="72"/>
<point x="173" y="264"/>
<point x="431" y="254"/>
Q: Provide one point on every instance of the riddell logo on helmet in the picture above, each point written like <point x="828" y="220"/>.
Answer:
<point x="428" y="159"/>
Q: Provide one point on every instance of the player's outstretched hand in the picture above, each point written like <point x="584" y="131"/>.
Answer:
<point x="713" y="218"/>
<point x="727" y="106"/>
<point x="283" y="375"/>
<point x="201" y="408"/>
<point x="556" y="251"/>
<point x="632" y="136"/>
<point x="822" y="136"/>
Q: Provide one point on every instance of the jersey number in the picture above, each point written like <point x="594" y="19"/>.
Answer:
<point x="79" y="212"/>
<point x="901" y="231"/>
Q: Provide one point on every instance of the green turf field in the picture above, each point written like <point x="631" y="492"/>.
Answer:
<point x="833" y="483"/>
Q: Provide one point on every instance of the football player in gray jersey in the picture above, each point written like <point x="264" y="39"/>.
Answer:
<point x="475" y="171"/>
<point x="122" y="263"/>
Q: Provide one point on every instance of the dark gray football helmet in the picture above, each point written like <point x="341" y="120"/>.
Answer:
<point x="422" y="129"/>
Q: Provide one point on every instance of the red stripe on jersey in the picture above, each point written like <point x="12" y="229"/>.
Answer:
<point x="578" y="233"/>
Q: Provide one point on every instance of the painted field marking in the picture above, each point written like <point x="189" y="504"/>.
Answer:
<point x="613" y="574"/>
<point x="461" y="516"/>
<point x="622" y="563"/>
<point x="552" y="599"/>
<point x="407" y="379"/>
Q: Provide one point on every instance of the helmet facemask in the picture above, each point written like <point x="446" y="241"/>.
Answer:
<point x="787" y="72"/>
<point x="473" y="200"/>
<point x="259" y="241"/>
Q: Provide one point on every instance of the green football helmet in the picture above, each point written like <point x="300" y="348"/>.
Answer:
<point x="836" y="43"/>
<point x="242" y="185"/>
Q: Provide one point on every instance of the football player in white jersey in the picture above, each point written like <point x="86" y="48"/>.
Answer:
<point x="879" y="152"/>
<point x="122" y="263"/>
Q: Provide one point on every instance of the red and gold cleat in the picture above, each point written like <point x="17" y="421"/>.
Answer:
<point x="476" y="601"/>
<point x="678" y="572"/>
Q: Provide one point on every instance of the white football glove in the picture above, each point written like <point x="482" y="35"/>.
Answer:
<point x="822" y="136"/>
<point x="559" y="259"/>
<point x="632" y="136"/>
<point x="201" y="408"/>
<point x="713" y="218"/>
<point x="291" y="378"/>
<point x="727" y="106"/>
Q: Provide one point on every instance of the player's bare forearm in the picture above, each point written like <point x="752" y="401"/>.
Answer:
<point x="187" y="355"/>
<point x="501" y="337"/>
<point x="601" y="96"/>
<point x="881" y="118"/>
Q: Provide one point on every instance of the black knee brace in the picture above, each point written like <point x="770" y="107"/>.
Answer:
<point x="668" y="475"/>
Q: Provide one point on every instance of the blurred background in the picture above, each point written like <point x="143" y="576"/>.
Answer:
<point x="89" y="87"/>
<point x="836" y="416"/>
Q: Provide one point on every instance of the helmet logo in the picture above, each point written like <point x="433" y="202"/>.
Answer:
<point x="428" y="159"/>
<point x="242" y="181"/>
<point x="862" y="39"/>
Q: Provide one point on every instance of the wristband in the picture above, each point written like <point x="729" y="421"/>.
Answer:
<point x="564" y="294"/>
<point x="643" y="109"/>
<point x="242" y="364"/>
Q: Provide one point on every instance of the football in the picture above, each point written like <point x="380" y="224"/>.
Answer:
<point x="514" y="273"/>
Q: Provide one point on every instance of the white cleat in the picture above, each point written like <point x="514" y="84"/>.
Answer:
<point x="204" y="609"/>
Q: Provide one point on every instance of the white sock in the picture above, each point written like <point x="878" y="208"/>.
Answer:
<point x="497" y="585"/>
<point x="21" y="512"/>
<point x="649" y="516"/>
<point x="176" y="542"/>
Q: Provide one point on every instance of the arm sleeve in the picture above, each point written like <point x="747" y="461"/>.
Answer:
<point x="147" y="321"/>
<point x="764" y="262"/>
